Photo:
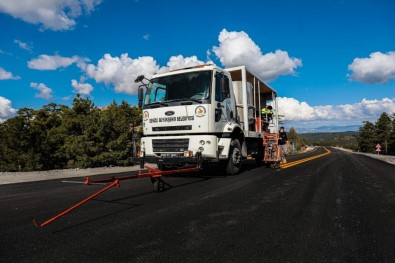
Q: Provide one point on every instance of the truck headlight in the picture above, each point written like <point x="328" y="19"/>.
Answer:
<point x="188" y="153"/>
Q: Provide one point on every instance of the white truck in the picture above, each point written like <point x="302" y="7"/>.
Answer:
<point x="205" y="114"/>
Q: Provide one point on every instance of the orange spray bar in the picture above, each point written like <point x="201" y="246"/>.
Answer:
<point x="36" y="223"/>
<point x="152" y="173"/>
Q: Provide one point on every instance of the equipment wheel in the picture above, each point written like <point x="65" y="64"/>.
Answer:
<point x="234" y="160"/>
<point x="159" y="186"/>
<point x="275" y="164"/>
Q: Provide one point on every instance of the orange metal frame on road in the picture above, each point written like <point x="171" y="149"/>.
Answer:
<point x="287" y="165"/>
<point x="272" y="154"/>
<point x="154" y="174"/>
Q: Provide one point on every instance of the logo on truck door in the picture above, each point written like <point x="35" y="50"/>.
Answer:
<point x="200" y="111"/>
<point x="145" y="115"/>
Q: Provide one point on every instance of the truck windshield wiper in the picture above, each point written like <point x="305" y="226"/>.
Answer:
<point x="195" y="100"/>
<point x="157" y="104"/>
<point x="186" y="100"/>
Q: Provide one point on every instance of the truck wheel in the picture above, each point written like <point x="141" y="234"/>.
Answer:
<point x="234" y="159"/>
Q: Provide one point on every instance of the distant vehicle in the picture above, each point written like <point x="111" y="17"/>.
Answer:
<point x="205" y="114"/>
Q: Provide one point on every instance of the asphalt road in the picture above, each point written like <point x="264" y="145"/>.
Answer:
<point x="336" y="208"/>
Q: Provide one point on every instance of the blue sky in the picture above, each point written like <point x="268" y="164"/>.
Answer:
<point x="332" y="62"/>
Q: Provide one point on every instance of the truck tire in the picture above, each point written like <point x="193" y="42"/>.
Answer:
<point x="234" y="160"/>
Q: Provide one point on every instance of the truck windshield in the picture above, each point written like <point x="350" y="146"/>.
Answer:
<point x="193" y="86"/>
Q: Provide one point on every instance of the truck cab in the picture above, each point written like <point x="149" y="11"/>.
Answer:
<point x="203" y="114"/>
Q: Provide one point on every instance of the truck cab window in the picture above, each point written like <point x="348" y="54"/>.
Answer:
<point x="221" y="79"/>
<point x="158" y="93"/>
<point x="193" y="86"/>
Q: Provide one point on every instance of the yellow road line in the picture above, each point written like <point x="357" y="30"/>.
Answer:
<point x="287" y="165"/>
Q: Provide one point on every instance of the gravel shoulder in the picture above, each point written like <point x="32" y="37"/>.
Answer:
<point x="22" y="177"/>
<point x="385" y="158"/>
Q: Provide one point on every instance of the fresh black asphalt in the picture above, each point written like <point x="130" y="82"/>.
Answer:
<point x="337" y="208"/>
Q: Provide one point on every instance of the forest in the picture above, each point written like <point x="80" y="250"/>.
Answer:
<point x="58" y="137"/>
<point x="337" y="139"/>
<point x="365" y="140"/>
<point x="381" y="132"/>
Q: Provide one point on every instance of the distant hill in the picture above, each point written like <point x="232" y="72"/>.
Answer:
<point x="329" y="129"/>
<point x="340" y="139"/>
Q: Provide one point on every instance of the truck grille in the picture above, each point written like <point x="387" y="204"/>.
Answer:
<point x="173" y="128"/>
<point x="170" y="145"/>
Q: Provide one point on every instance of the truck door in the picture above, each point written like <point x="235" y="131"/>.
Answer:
<point x="223" y="105"/>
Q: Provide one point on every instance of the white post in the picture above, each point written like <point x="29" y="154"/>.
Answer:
<point x="244" y="92"/>
<point x="259" y="106"/>
<point x="276" y="110"/>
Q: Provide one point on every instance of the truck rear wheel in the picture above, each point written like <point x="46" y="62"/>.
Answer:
<point x="234" y="159"/>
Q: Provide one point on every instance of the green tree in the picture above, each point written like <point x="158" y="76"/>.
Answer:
<point x="19" y="139"/>
<point x="366" y="138"/>
<point x="79" y="128"/>
<point x="117" y="128"/>
<point x="391" y="143"/>
<point x="46" y="123"/>
<point x="294" y="138"/>
<point x="383" y="129"/>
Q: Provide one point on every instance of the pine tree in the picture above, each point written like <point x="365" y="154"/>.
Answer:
<point x="366" y="138"/>
<point x="391" y="143"/>
<point x="295" y="139"/>
<point x="383" y="129"/>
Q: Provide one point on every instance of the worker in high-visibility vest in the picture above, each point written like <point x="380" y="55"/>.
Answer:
<point x="267" y="113"/>
<point x="267" y="116"/>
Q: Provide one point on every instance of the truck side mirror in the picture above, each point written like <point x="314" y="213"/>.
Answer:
<point x="140" y="96"/>
<point x="139" y="78"/>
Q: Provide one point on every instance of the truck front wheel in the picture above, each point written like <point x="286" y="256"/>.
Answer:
<point x="234" y="159"/>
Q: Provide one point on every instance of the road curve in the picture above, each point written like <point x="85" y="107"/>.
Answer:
<point x="336" y="208"/>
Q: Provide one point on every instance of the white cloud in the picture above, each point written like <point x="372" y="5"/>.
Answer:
<point x="122" y="71"/>
<point x="178" y="62"/>
<point x="147" y="36"/>
<point x="81" y="87"/>
<point x="2" y="52"/>
<point x="46" y="62"/>
<point x="55" y="15"/>
<point x="6" y="109"/>
<point x="378" y="68"/>
<point x="237" y="48"/>
<point x="295" y="110"/>
<point x="7" y="75"/>
<point x="23" y="45"/>
<point x="44" y="91"/>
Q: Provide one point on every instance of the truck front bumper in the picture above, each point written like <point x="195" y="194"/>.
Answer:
<point x="176" y="161"/>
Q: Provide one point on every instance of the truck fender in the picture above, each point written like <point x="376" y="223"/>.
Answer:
<point x="224" y="146"/>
